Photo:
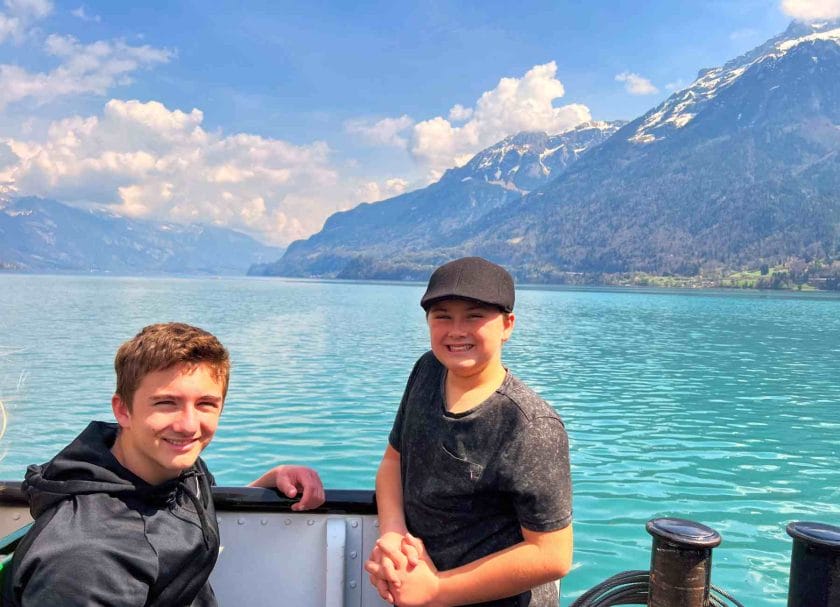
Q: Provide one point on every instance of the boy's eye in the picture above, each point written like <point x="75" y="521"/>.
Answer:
<point x="164" y="403"/>
<point x="208" y="405"/>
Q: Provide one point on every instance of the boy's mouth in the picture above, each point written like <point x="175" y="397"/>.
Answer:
<point x="460" y="348"/>
<point x="180" y="443"/>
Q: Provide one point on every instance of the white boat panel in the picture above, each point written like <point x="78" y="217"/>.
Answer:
<point x="295" y="559"/>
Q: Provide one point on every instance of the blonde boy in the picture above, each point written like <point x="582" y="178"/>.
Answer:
<point x="473" y="491"/>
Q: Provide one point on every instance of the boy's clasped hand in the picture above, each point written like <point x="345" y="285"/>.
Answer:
<point x="402" y="572"/>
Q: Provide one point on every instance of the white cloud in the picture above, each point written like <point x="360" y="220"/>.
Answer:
<point x="18" y="15"/>
<point x="84" y="68"/>
<point x="516" y="104"/>
<point x="459" y="113"/>
<point x="812" y="10"/>
<point x="635" y="84"/>
<point x="145" y="160"/>
<point x="81" y="13"/>
<point x="387" y="132"/>
<point x="372" y="191"/>
<point x="9" y="27"/>
<point x="34" y="9"/>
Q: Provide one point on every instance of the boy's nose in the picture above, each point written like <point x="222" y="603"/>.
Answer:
<point x="187" y="422"/>
<point x="457" y="328"/>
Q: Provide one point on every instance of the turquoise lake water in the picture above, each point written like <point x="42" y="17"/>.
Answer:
<point x="722" y="407"/>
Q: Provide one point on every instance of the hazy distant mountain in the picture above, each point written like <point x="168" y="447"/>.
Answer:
<point x="45" y="235"/>
<point x="740" y="169"/>
<point x="407" y="233"/>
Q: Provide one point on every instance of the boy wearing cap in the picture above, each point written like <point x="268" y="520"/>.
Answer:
<point x="477" y="464"/>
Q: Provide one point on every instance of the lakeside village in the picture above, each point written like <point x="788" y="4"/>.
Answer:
<point x="793" y="275"/>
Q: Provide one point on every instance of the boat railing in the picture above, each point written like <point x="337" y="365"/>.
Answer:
<point x="272" y="555"/>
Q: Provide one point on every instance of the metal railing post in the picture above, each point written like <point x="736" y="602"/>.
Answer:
<point x="680" y="563"/>
<point x="814" y="565"/>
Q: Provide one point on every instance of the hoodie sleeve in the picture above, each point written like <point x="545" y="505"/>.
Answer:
<point x="72" y="564"/>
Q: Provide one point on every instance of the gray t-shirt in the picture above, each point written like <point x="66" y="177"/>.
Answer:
<point x="470" y="480"/>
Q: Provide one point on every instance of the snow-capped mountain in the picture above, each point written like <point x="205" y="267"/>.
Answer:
<point x="740" y="169"/>
<point x="526" y="161"/>
<point x="413" y="227"/>
<point x="681" y="108"/>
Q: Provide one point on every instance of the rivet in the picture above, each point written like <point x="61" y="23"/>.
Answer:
<point x="376" y="523"/>
<point x="354" y="524"/>
<point x="352" y="584"/>
<point x="310" y="522"/>
<point x="287" y="522"/>
<point x="263" y="522"/>
<point x="16" y="516"/>
<point x="354" y="555"/>
<point x="240" y="521"/>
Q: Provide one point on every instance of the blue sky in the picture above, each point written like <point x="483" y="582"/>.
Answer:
<point x="268" y="116"/>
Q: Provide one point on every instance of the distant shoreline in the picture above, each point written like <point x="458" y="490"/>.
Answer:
<point x="738" y="281"/>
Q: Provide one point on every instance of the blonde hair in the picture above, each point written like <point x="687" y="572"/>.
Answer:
<point x="161" y="346"/>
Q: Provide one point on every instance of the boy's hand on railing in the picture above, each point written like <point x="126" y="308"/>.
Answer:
<point x="292" y="480"/>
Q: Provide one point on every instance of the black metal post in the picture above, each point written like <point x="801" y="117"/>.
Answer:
<point x="814" y="565"/>
<point x="680" y="562"/>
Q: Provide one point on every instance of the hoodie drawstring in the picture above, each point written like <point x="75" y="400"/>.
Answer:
<point x="196" y="502"/>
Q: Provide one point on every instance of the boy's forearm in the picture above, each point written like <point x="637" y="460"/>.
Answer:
<point x="389" y="498"/>
<point x="510" y="571"/>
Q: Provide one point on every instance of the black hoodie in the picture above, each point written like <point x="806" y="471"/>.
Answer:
<point x="103" y="536"/>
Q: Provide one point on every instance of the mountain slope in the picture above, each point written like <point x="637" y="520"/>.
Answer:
<point x="739" y="169"/>
<point x="397" y="237"/>
<point x="45" y="235"/>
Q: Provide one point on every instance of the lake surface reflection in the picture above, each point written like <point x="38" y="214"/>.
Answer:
<point x="716" y="406"/>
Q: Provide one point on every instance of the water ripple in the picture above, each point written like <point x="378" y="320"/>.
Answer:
<point x="720" y="407"/>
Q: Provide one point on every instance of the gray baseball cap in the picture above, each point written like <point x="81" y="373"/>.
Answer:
<point x="472" y="278"/>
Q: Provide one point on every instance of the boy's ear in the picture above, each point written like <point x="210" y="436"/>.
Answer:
<point x="509" y="320"/>
<point x="121" y="412"/>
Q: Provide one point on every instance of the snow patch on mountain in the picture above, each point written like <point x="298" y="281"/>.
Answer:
<point x="527" y="160"/>
<point x="683" y="106"/>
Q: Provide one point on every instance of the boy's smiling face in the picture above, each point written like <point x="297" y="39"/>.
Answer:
<point x="467" y="336"/>
<point x="173" y="416"/>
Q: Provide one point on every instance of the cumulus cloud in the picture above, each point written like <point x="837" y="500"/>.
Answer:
<point x="459" y="113"/>
<point x="145" y="160"/>
<point x="84" y="68"/>
<point x="17" y="17"/>
<point x="635" y="84"/>
<point x="514" y="105"/>
<point x="387" y="132"/>
<point x="372" y="191"/>
<point x="81" y="13"/>
<point x="812" y="10"/>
